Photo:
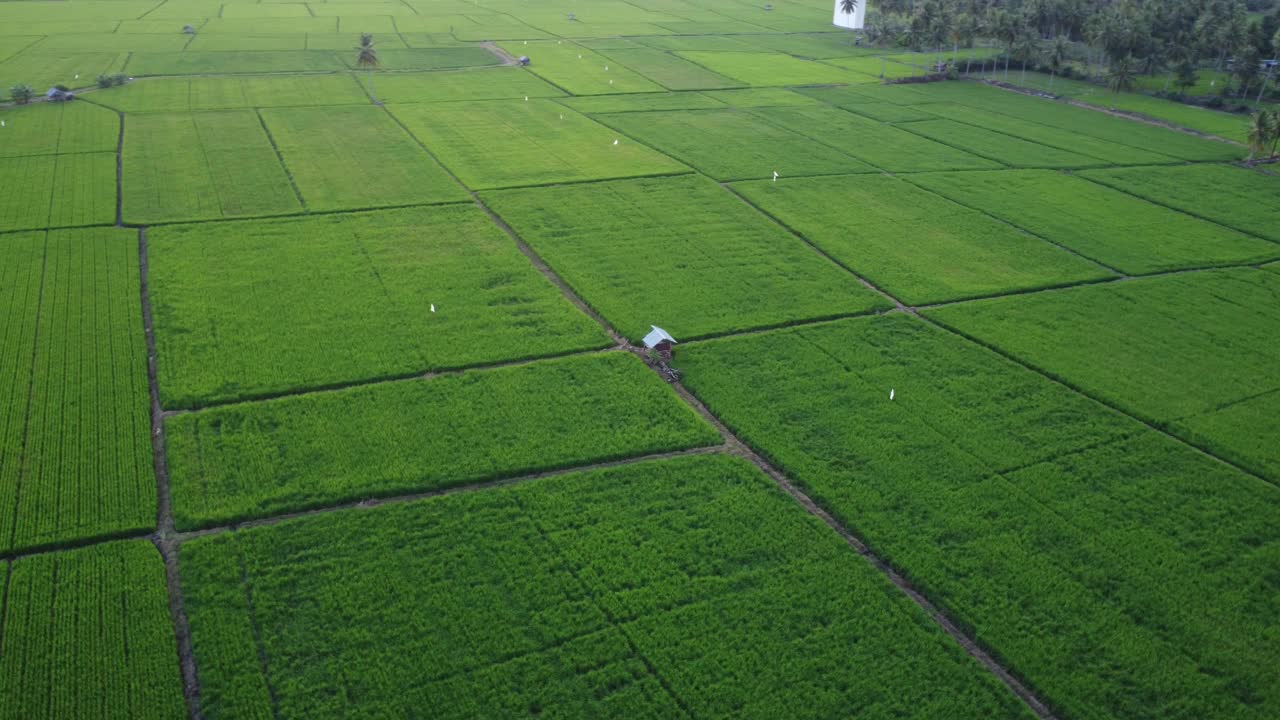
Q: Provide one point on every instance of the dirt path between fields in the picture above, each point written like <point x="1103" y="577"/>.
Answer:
<point x="506" y="57"/>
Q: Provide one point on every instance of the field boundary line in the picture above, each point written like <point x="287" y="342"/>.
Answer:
<point x="4" y="597"/>
<point x="1053" y="377"/>
<point x="967" y="644"/>
<point x="414" y="377"/>
<point x="163" y="539"/>
<point x="120" y="171"/>
<point x="256" y="629"/>
<point x="1188" y="213"/>
<point x="298" y="215"/>
<point x="280" y="159"/>
<point x="182" y="536"/>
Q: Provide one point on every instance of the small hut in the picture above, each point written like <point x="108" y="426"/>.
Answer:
<point x="524" y="60"/>
<point x="59" y="95"/>
<point x="660" y="341"/>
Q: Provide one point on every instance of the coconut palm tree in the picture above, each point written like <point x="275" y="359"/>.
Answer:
<point x="1121" y="74"/>
<point x="368" y="59"/>
<point x="1058" y="52"/>
<point x="1261" y="128"/>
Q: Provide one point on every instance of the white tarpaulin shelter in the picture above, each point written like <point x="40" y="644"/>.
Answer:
<point x="656" y="336"/>
<point x="850" y="21"/>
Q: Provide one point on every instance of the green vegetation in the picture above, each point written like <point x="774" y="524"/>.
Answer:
<point x="266" y="307"/>
<point x="88" y="636"/>
<point x="731" y="144"/>
<point x="953" y="253"/>
<point x="355" y="158"/>
<point x="595" y="104"/>
<point x="768" y="69"/>
<point x="580" y="71"/>
<point x="1040" y="520"/>
<point x="228" y="93"/>
<point x="196" y="166"/>
<point x="668" y="70"/>
<point x="883" y="146"/>
<point x="243" y="461"/>
<point x="1234" y="197"/>
<point x="643" y="591"/>
<point x="712" y="272"/>
<point x="57" y="191"/>
<point x="758" y="97"/>
<point x="1004" y="149"/>
<point x="75" y="454"/>
<point x="59" y="128"/>
<point x="1104" y="225"/>
<point x="505" y="144"/>
<point x="469" y="85"/>
<point x="1171" y="335"/>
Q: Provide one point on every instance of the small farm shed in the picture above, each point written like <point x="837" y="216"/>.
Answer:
<point x="524" y="60"/>
<point x="57" y="95"/>
<point x="659" y="340"/>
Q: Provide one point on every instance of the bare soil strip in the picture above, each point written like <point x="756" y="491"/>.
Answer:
<point x="164" y="537"/>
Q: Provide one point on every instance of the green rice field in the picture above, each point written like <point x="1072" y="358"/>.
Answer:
<point x="715" y="363"/>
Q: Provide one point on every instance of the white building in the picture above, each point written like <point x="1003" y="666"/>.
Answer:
<point x="851" y="21"/>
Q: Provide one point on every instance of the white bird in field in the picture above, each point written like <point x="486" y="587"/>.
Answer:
<point x="433" y="307"/>
<point x="579" y="57"/>
<point x="526" y="98"/>
<point x="890" y="393"/>
<point x="606" y="67"/>
<point x="562" y="116"/>
<point x="610" y="82"/>
<point x="775" y="176"/>
<point x="526" y="42"/>
<point x="77" y="76"/>
<point x="1" y="123"/>
<point x="615" y="142"/>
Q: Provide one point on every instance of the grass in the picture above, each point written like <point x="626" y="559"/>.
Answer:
<point x="1231" y="196"/>
<point x="434" y="87"/>
<point x="57" y="190"/>
<point x="89" y="630"/>
<point x="595" y="104"/>
<point x="1110" y="227"/>
<point x="244" y="461"/>
<point x="233" y="93"/>
<point x="196" y="166"/>
<point x="75" y="433"/>
<point x="882" y="146"/>
<point x="767" y="69"/>
<point x="505" y="143"/>
<point x="246" y="61"/>
<point x="730" y="144"/>
<point x="265" y="307"/>
<point x="43" y="70"/>
<point x="668" y="70"/>
<point x="356" y="157"/>
<point x="1038" y="519"/>
<point x="713" y="271"/>
<point x="917" y="246"/>
<point x="1171" y="335"/>
<point x="578" y="70"/>
<point x="1005" y="149"/>
<point x="643" y="591"/>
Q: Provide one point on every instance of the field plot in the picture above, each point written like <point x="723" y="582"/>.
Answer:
<point x="872" y="106"/>
<point x="49" y="129"/>
<point x="1076" y="142"/>
<point x="1082" y="120"/>
<point x="44" y="191"/>
<point x="1162" y="358"/>
<point x="644" y="591"/>
<point x="1004" y="149"/>
<point x="77" y="454"/>
<point x="249" y="309"/>
<point x="730" y="144"/>
<point x="247" y="61"/>
<point x="233" y="93"/>
<point x="1231" y="196"/>
<point x="430" y="58"/>
<point x="200" y="166"/>
<point x="505" y="143"/>
<point x="768" y="69"/>
<point x="883" y="146"/>
<point x="42" y="70"/>
<point x="579" y="70"/>
<point x="243" y="461"/>
<point x="875" y="68"/>
<point x="914" y="244"/>
<point x="354" y="158"/>
<point x="1040" y="520"/>
<point x="235" y="42"/>
<point x="722" y="267"/>
<point x="759" y="97"/>
<point x="668" y="70"/>
<point x="1105" y="225"/>
<point x="111" y="42"/>
<point x="641" y="102"/>
<point x="494" y="84"/>
<point x="88" y="635"/>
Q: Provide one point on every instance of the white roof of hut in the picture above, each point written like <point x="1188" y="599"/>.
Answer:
<point x="657" y="335"/>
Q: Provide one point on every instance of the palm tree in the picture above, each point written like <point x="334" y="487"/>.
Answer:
<point x="368" y="59"/>
<point x="1059" y="49"/>
<point x="848" y="7"/>
<point x="1121" y="74"/>
<point x="1261" y="127"/>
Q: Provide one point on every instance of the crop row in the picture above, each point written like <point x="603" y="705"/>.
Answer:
<point x="87" y="636"/>
<point x="253" y="308"/>
<point x="1194" y="353"/>
<point x="42" y="191"/>
<point x="1113" y="569"/>
<point x="232" y="93"/>
<point x="58" y="128"/>
<point x="646" y="591"/>
<point x="680" y="253"/>
<point x="243" y="461"/>
<point x="77" y="460"/>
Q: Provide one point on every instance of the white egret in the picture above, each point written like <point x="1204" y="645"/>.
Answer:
<point x="890" y="393"/>
<point x="433" y="307"/>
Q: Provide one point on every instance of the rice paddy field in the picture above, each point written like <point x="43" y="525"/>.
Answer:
<point x="324" y="388"/>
